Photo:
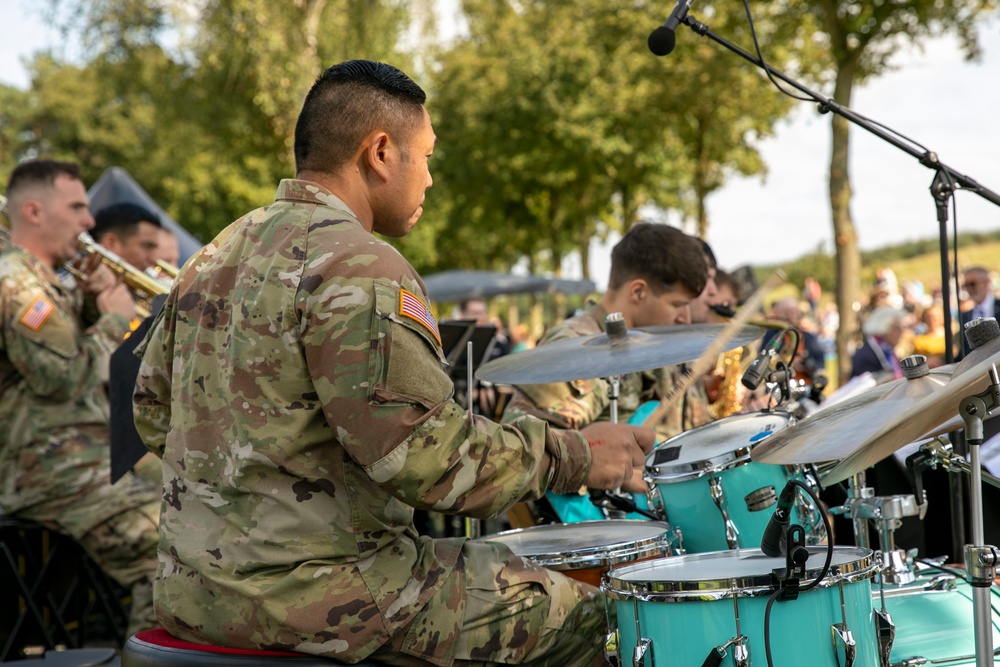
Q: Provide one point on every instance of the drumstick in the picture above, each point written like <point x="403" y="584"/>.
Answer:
<point x="701" y="365"/>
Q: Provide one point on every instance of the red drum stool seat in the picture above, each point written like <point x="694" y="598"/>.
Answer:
<point x="157" y="648"/>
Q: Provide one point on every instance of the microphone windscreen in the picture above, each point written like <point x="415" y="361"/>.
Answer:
<point x="661" y="41"/>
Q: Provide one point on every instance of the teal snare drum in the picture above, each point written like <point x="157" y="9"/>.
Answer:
<point x="585" y="550"/>
<point x="934" y="620"/>
<point x="677" y="612"/>
<point x="703" y="482"/>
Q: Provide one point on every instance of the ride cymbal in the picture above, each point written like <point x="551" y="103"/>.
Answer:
<point x="603" y="355"/>
<point x="926" y="415"/>
<point x="836" y="432"/>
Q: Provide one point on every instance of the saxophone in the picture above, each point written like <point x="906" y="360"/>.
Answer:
<point x="729" y="367"/>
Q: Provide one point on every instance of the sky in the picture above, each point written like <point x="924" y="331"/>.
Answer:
<point x="935" y="97"/>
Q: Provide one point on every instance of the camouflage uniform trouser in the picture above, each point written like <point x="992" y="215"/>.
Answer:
<point x="514" y="613"/>
<point x="117" y="525"/>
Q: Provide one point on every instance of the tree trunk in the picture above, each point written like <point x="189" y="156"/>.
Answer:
<point x="701" y="171"/>
<point x="845" y="237"/>
<point x="585" y="254"/>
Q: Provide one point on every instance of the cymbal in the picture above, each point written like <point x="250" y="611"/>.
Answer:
<point x="601" y="356"/>
<point x="909" y="426"/>
<point x="836" y="432"/>
<point x="988" y="349"/>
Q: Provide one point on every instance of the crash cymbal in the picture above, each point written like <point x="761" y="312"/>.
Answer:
<point x="984" y="336"/>
<point x="929" y="413"/>
<point x="836" y="432"/>
<point x="603" y="355"/>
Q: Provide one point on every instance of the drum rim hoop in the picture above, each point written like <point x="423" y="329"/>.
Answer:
<point x="697" y="469"/>
<point x="626" y="551"/>
<point x="757" y="585"/>
<point x="667" y="473"/>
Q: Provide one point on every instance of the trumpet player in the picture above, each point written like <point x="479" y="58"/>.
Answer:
<point x="130" y="231"/>
<point x="54" y="464"/>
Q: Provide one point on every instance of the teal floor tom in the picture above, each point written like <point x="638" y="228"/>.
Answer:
<point x="709" y="608"/>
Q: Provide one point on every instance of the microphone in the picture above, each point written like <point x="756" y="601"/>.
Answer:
<point x="758" y="368"/>
<point x="662" y="40"/>
<point x="772" y="543"/>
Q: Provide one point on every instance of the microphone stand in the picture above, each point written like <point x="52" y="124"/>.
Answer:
<point x="946" y="181"/>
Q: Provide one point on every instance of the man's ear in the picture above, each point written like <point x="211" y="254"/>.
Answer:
<point x="31" y="210"/>
<point x="638" y="289"/>
<point x="376" y="154"/>
<point x="111" y="241"/>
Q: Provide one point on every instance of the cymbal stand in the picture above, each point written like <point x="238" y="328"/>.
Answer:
<point x="980" y="559"/>
<point x="616" y="329"/>
<point x="940" y="452"/>
<point x="472" y="527"/>
<point x="614" y="393"/>
<point x="862" y="506"/>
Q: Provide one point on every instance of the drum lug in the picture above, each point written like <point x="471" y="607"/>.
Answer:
<point x="741" y="654"/>
<point x="680" y="550"/>
<point x="611" y="653"/>
<point x="639" y="654"/>
<point x="885" y="631"/>
<point x="718" y="494"/>
<point x="941" y="582"/>
<point x="844" y="647"/>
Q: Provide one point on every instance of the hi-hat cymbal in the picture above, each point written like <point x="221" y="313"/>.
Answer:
<point x="836" y="432"/>
<point x="601" y="356"/>
<point x="912" y="423"/>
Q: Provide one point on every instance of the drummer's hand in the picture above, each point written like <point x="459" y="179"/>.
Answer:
<point x="637" y="484"/>
<point x="616" y="451"/>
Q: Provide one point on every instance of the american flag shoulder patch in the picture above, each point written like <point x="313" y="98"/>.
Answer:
<point x="412" y="307"/>
<point x="36" y="314"/>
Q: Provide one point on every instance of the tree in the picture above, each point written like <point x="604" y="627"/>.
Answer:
<point x="862" y="37"/>
<point x="199" y="105"/>
<point x="565" y="126"/>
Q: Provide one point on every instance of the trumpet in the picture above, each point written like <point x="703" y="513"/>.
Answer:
<point x="142" y="285"/>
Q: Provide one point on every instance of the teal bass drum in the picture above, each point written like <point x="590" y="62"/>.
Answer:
<point x="934" y="620"/>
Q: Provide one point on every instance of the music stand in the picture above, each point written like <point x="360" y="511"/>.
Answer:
<point x="455" y="336"/>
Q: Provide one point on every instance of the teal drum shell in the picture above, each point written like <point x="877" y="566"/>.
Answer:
<point x="693" y="472"/>
<point x="934" y="620"/>
<point x="686" y="607"/>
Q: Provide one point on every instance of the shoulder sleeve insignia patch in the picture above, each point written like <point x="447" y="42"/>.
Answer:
<point x="36" y="314"/>
<point x="412" y="307"/>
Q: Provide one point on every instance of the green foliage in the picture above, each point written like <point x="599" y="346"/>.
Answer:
<point x="555" y="124"/>
<point x="206" y="126"/>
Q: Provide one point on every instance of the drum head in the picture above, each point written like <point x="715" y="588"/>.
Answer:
<point x="586" y="544"/>
<point x="715" y="444"/>
<point x="743" y="569"/>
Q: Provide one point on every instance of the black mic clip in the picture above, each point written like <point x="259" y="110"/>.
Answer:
<point x="916" y="463"/>
<point x="604" y="500"/>
<point x="794" y="545"/>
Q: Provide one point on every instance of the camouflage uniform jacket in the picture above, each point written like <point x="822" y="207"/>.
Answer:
<point x="53" y="378"/>
<point x="581" y="402"/>
<point x="294" y="387"/>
